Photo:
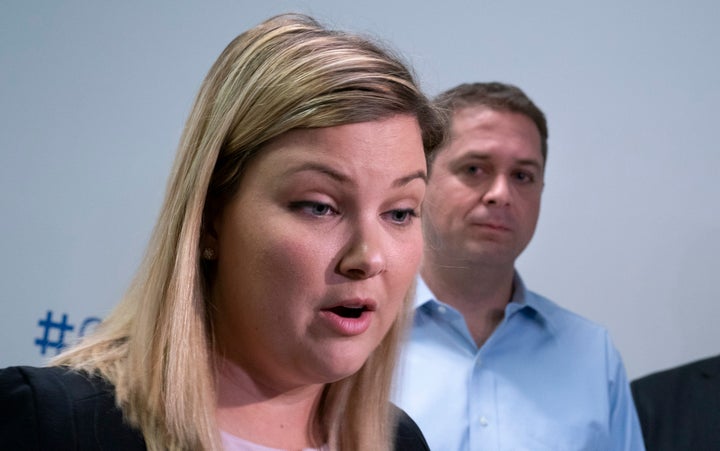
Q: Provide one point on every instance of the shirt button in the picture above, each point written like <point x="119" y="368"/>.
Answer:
<point x="442" y="309"/>
<point x="483" y="421"/>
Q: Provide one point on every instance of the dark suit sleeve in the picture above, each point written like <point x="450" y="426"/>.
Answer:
<point x="643" y="403"/>
<point x="408" y="436"/>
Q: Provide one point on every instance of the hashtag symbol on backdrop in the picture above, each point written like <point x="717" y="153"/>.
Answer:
<point x="48" y="325"/>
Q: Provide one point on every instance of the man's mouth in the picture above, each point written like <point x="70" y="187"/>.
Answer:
<point x="496" y="226"/>
<point x="493" y="225"/>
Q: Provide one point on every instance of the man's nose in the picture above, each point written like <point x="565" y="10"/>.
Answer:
<point x="499" y="192"/>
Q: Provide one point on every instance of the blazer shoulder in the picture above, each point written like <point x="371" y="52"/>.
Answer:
<point x="678" y="407"/>
<point x="35" y="409"/>
<point x="408" y="436"/>
<point x="659" y="381"/>
<point x="59" y="408"/>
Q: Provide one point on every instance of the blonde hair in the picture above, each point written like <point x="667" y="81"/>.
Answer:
<point x="156" y="346"/>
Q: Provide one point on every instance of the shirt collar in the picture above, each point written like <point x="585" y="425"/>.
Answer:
<point x="530" y="303"/>
<point x="522" y="300"/>
<point x="423" y="295"/>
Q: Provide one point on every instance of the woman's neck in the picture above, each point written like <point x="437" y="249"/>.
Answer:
<point x="277" y="418"/>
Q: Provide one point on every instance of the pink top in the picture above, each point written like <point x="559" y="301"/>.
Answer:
<point x="233" y="443"/>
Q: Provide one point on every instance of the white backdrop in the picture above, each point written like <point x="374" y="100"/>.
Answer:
<point x="93" y="97"/>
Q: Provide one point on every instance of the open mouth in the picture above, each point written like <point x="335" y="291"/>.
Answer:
<point x="351" y="317"/>
<point x="348" y="312"/>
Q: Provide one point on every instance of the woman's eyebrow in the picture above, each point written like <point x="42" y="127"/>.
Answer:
<point x="402" y="181"/>
<point x="340" y="177"/>
<point x="317" y="167"/>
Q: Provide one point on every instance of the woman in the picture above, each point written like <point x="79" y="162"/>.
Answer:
<point x="270" y="303"/>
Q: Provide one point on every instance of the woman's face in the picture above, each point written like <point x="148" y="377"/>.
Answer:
<point x="317" y="250"/>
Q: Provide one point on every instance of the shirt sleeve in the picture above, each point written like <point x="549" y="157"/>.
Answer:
<point x="625" y="432"/>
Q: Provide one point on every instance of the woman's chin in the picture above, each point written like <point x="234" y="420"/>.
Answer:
<point x="339" y="366"/>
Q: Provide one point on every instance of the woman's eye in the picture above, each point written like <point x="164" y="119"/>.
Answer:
<point x="402" y="216"/>
<point x="313" y="208"/>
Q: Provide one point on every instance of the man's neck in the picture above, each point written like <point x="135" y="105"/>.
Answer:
<point x="480" y="293"/>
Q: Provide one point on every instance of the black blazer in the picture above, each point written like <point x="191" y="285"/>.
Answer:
<point x="679" y="408"/>
<point x="57" y="409"/>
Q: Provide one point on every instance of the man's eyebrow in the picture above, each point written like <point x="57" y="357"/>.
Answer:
<point x="473" y="156"/>
<point x="486" y="156"/>
<point x="530" y="162"/>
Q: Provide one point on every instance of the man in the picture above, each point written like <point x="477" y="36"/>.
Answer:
<point x="679" y="408"/>
<point x="489" y="364"/>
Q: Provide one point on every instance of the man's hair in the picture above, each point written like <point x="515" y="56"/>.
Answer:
<point x="156" y="347"/>
<point x="495" y="96"/>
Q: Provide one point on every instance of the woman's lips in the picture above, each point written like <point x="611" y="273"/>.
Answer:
<point x="349" y="318"/>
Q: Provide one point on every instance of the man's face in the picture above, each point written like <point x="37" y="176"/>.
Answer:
<point x="483" y="197"/>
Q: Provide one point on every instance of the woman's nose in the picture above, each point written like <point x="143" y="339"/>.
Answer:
<point x="364" y="255"/>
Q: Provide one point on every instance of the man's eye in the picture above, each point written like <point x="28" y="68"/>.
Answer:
<point x="524" y="177"/>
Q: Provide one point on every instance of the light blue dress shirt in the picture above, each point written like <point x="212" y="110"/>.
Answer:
<point x="546" y="379"/>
